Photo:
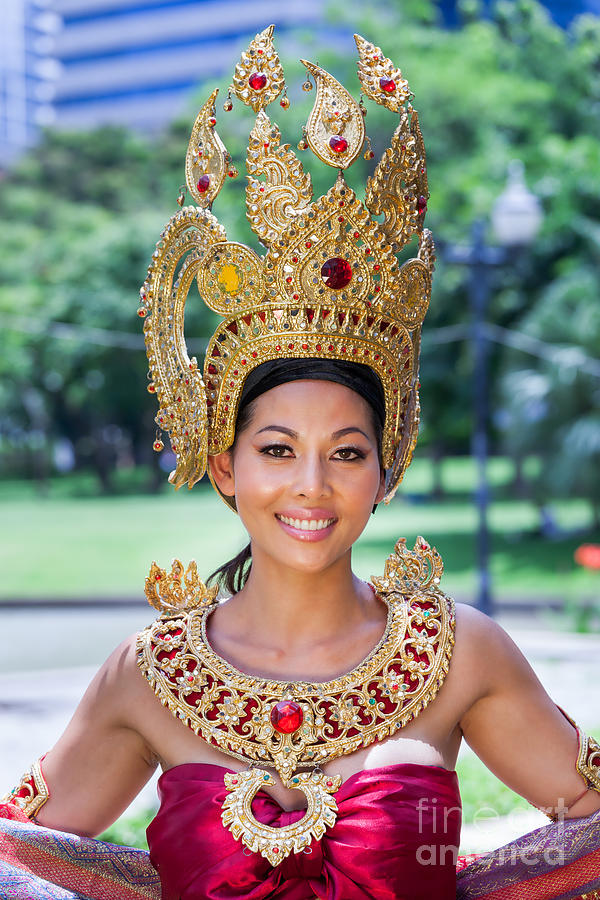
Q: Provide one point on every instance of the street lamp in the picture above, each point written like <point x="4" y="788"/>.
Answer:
<point x="516" y="218"/>
<point x="517" y="213"/>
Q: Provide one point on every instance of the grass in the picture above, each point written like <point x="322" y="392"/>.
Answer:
<point x="72" y="543"/>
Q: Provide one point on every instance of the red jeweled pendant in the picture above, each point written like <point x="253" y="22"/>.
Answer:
<point x="336" y="273"/>
<point x="421" y="204"/>
<point x="257" y="81"/>
<point x="203" y="183"/>
<point x="388" y="85"/>
<point x="287" y="716"/>
<point x="338" y="144"/>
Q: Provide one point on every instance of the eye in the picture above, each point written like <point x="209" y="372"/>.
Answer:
<point x="277" y="451"/>
<point x="349" y="454"/>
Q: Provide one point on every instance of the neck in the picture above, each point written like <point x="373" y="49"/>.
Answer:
<point x="301" y="610"/>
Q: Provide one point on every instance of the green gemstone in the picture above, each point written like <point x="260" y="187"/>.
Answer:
<point x="265" y="777"/>
<point x="427" y="613"/>
<point x="295" y="780"/>
<point x="372" y="700"/>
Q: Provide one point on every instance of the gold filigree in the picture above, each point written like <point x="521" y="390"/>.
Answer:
<point x="588" y="760"/>
<point x="304" y="332"/>
<point x="336" y="226"/>
<point x="409" y="432"/>
<point x="174" y="376"/>
<point x="380" y="79"/>
<point x="234" y="711"/>
<point x="411" y="570"/>
<point x="275" y="844"/>
<point x="286" y="190"/>
<point x="336" y="121"/>
<point x="261" y="60"/>
<point x="393" y="189"/>
<point x="427" y="249"/>
<point x="231" y="278"/>
<point x="420" y="187"/>
<point x="181" y="589"/>
<point x="30" y="794"/>
<point x="206" y="157"/>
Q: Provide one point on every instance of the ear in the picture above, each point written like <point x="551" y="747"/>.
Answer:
<point x="221" y="470"/>
<point x="381" y="489"/>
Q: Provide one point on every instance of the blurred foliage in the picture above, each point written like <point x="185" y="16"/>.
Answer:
<point x="85" y="209"/>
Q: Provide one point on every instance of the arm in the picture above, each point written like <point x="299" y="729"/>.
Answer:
<point x="513" y="725"/>
<point x="101" y="761"/>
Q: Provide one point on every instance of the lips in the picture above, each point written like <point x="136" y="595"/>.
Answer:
<point x="306" y="524"/>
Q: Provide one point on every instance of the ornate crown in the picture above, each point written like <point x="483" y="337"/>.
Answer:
<point x="329" y="284"/>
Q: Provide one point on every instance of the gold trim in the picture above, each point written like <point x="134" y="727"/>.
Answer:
<point x="277" y="843"/>
<point x="30" y="794"/>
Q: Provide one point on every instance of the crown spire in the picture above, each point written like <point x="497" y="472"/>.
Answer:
<point x="335" y="130"/>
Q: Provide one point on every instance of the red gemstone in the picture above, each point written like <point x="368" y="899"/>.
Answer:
<point x="336" y="273"/>
<point x="421" y="204"/>
<point x="388" y="85"/>
<point x="286" y="716"/>
<point x="257" y="81"/>
<point x="203" y="183"/>
<point x="338" y="144"/>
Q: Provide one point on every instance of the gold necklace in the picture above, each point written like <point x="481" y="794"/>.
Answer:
<point x="270" y="723"/>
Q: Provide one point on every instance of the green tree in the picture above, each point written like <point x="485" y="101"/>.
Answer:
<point x="84" y="212"/>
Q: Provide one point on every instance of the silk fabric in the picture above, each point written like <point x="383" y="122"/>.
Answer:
<point x="395" y="838"/>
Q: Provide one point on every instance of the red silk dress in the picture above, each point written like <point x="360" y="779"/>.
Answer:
<point x="395" y="838"/>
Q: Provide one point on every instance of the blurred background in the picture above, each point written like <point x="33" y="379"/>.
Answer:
<point x="97" y="100"/>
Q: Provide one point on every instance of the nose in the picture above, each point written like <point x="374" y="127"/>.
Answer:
<point x="312" y="477"/>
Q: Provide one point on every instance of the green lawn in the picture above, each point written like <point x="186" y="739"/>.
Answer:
<point x="71" y="543"/>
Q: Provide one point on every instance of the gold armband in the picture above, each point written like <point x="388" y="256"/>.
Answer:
<point x="588" y="756"/>
<point x="31" y="792"/>
<point x="587" y="764"/>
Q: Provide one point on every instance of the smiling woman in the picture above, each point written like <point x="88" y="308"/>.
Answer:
<point x="307" y="725"/>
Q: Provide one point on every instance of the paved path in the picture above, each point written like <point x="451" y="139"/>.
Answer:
<point x="36" y="702"/>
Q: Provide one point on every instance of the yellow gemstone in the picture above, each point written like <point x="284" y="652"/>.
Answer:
<point x="230" y="278"/>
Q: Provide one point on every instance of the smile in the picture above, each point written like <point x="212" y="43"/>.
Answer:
<point x="306" y="524"/>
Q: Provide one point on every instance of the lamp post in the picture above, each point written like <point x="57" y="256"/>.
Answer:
<point x="516" y="218"/>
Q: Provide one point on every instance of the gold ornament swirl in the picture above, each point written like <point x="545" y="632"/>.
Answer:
<point x="286" y="190"/>
<point x="391" y="190"/>
<point x="175" y="377"/>
<point x="258" y="78"/>
<point x="231" y="278"/>
<point x="380" y="80"/>
<point x="182" y="589"/>
<point x="410" y="420"/>
<point x="335" y="130"/>
<point x="206" y="157"/>
<point x="427" y="249"/>
<point x="275" y="844"/>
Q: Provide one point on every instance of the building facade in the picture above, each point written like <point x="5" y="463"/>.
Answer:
<point x="77" y="64"/>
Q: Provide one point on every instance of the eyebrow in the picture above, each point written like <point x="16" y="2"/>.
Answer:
<point x="294" y="434"/>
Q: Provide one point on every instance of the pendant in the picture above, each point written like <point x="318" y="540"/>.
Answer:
<point x="275" y="844"/>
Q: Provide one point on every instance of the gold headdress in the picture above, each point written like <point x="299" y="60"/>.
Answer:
<point x="329" y="284"/>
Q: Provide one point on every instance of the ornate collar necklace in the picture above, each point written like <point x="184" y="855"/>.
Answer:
<point x="286" y="726"/>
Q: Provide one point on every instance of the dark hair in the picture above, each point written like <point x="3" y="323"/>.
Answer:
<point x="232" y="575"/>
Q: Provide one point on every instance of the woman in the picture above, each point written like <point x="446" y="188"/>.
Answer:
<point x="308" y="727"/>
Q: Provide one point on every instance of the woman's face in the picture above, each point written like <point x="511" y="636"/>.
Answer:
<point x="305" y="473"/>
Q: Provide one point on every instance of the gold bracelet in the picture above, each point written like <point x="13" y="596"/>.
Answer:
<point x="31" y="792"/>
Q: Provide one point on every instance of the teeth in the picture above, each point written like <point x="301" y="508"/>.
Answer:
<point x="307" y="524"/>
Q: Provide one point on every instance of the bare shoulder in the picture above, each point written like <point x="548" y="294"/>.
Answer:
<point x="484" y="653"/>
<point x="118" y="687"/>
